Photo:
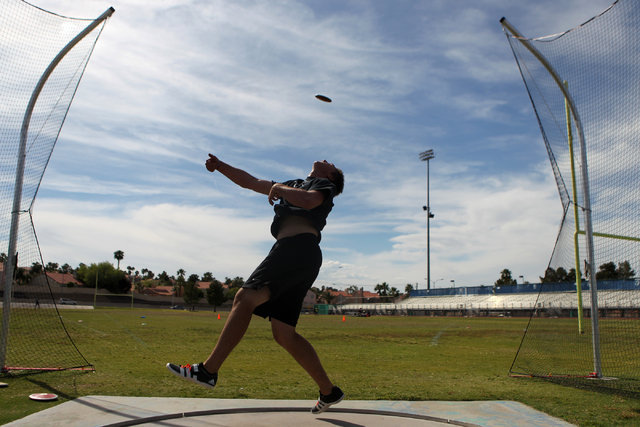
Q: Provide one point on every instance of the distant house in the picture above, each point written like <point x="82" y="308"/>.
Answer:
<point x="62" y="279"/>
<point x="55" y="279"/>
<point x="360" y="297"/>
<point x="167" y="291"/>
<point x="309" y="300"/>
<point x="158" y="291"/>
<point x="205" y="285"/>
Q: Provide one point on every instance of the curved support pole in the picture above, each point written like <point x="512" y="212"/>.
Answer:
<point x="593" y="285"/>
<point x="11" y="262"/>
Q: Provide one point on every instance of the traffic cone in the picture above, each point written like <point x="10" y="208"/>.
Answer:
<point x="344" y="318"/>
<point x="218" y="316"/>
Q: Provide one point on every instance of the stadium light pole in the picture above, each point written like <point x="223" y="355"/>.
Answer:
<point x="425" y="156"/>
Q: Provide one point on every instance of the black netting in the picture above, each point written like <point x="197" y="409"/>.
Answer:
<point x="33" y="335"/>
<point x="600" y="63"/>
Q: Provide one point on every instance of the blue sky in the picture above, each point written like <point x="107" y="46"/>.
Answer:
<point x="170" y="81"/>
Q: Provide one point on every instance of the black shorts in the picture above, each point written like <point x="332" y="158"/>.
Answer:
<point x="288" y="271"/>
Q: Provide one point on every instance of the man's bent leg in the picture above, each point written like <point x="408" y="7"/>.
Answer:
<point x="246" y="300"/>
<point x="303" y="352"/>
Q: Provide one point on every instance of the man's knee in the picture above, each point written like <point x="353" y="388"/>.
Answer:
<point x="251" y="298"/>
<point x="285" y="335"/>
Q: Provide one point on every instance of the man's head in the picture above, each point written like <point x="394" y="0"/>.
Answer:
<point x="328" y="170"/>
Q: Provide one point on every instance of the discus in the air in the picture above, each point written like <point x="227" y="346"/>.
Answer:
<point x="323" y="98"/>
<point x="43" y="397"/>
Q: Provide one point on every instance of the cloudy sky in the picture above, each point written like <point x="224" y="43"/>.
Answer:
<point x="171" y="81"/>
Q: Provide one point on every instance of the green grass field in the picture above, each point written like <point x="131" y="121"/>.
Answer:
<point x="376" y="358"/>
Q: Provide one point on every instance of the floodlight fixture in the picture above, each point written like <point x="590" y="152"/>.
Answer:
<point x="427" y="155"/>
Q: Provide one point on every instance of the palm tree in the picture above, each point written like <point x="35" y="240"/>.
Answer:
<point x="382" y="289"/>
<point x="177" y="287"/>
<point x="328" y="297"/>
<point x="119" y="255"/>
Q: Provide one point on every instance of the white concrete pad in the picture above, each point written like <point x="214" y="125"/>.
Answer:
<point x="115" y="411"/>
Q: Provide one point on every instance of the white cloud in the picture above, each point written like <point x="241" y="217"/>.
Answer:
<point x="159" y="237"/>
<point x="480" y="228"/>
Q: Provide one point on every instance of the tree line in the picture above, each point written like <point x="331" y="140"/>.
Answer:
<point x="607" y="271"/>
<point x="105" y="276"/>
<point x="386" y="292"/>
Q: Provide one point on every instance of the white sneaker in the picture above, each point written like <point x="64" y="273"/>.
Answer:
<point x="324" y="402"/>
<point x="195" y="374"/>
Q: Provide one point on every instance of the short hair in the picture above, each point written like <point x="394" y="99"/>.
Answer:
<point x="337" y="177"/>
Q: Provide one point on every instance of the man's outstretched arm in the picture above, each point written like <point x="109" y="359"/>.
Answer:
<point x="238" y="176"/>
<point x="307" y="199"/>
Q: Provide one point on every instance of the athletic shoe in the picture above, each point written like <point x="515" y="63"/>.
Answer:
<point x="194" y="373"/>
<point x="324" y="402"/>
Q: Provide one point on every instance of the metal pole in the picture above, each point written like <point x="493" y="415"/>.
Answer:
<point x="576" y="217"/>
<point x="17" y="195"/>
<point x="426" y="156"/>
<point x="95" y="292"/>
<point x="593" y="284"/>
<point x="428" y="233"/>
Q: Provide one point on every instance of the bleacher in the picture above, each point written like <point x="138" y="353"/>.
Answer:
<point x="615" y="299"/>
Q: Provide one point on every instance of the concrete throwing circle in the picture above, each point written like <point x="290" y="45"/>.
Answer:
<point x="283" y="417"/>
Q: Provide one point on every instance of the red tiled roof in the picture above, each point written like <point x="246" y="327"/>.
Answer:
<point x="63" y="278"/>
<point x="158" y="291"/>
<point x="205" y="285"/>
<point x="360" y="294"/>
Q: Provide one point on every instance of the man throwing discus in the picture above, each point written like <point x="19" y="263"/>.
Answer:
<point x="277" y="287"/>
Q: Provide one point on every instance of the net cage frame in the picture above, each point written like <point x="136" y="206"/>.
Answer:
<point x="545" y="65"/>
<point x="584" y="169"/>
<point x="16" y="232"/>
